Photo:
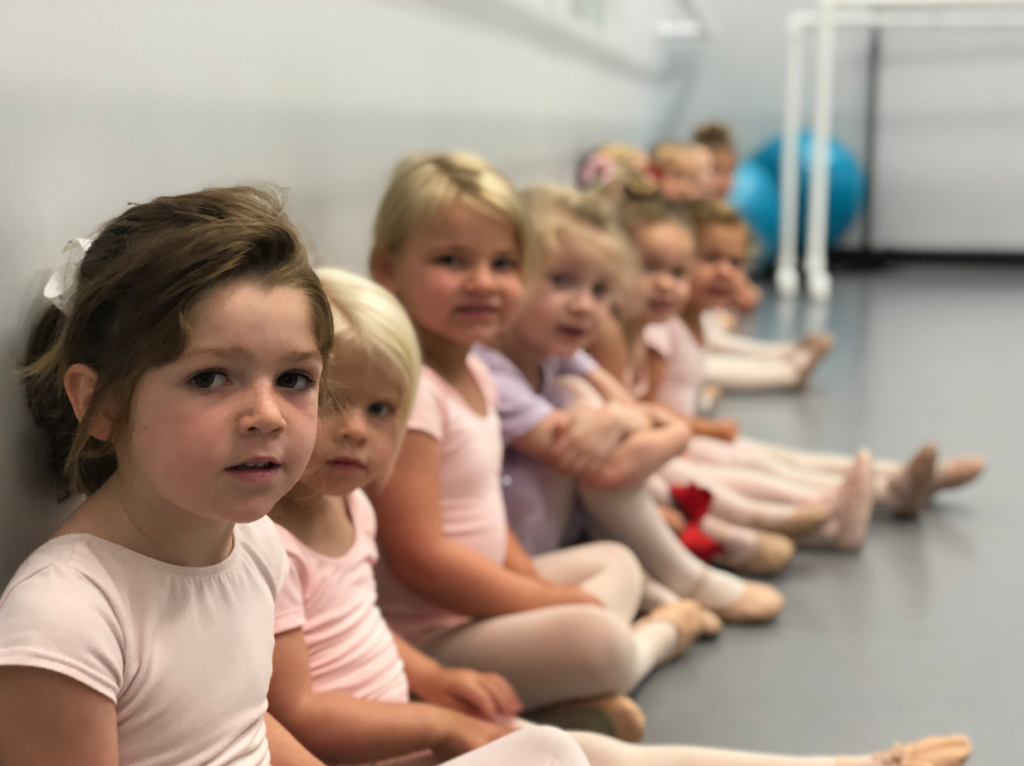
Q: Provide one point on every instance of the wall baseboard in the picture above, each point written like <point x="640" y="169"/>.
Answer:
<point x="874" y="258"/>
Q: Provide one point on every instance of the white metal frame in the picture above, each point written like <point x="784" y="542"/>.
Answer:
<point x="828" y="18"/>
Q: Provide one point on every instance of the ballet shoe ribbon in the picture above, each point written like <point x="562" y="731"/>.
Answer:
<point x="694" y="502"/>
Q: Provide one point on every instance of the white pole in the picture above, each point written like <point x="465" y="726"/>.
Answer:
<point x="819" y="281"/>
<point x="787" y="278"/>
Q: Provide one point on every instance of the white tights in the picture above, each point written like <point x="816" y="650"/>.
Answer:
<point x="530" y="746"/>
<point x="547" y="747"/>
<point x="741" y="496"/>
<point x="606" y="751"/>
<point x="570" y="651"/>
<point x="631" y="517"/>
<point x="738" y="372"/>
<point x="813" y="470"/>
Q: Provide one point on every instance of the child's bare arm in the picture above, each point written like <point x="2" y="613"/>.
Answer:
<point x="341" y="729"/>
<point x="656" y="371"/>
<point x="438" y="568"/>
<point x="285" y="750"/>
<point x="640" y="455"/>
<point x="516" y="558"/>
<point x="47" y="719"/>
<point x="610" y="348"/>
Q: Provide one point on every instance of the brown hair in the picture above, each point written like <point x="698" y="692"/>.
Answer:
<point x="715" y="135"/>
<point x="134" y="288"/>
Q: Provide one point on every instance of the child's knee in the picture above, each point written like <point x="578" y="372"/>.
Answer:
<point x="623" y="564"/>
<point x="545" y="745"/>
<point x="603" y="649"/>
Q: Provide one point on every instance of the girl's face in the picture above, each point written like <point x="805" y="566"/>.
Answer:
<point x="725" y="166"/>
<point x="225" y="430"/>
<point x="458" y="276"/>
<point x="721" y="260"/>
<point x="679" y="181"/>
<point x="563" y="308"/>
<point x="355" y="446"/>
<point x="666" y="252"/>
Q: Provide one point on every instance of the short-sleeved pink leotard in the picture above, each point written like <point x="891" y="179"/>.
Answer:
<point x="472" y="505"/>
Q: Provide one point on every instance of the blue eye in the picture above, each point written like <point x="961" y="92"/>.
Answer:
<point x="297" y="381"/>
<point x="448" y="260"/>
<point x="380" y="409"/>
<point x="208" y="379"/>
<point x="506" y="264"/>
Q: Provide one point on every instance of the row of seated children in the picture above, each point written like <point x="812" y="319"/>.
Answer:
<point x="686" y="173"/>
<point x="195" y="375"/>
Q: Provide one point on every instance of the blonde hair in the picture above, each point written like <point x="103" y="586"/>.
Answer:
<point x="369" y="319"/>
<point x="685" y="156"/>
<point x="424" y="184"/>
<point x="618" y="170"/>
<point x="554" y="210"/>
<point x="717" y="212"/>
<point x="638" y="215"/>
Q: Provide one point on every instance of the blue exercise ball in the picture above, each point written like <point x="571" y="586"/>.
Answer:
<point x="847" y="181"/>
<point x="754" y="193"/>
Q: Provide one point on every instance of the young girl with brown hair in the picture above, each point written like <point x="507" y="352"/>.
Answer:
<point x="176" y="378"/>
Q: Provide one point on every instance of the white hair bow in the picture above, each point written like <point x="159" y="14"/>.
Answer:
<point x="60" y="289"/>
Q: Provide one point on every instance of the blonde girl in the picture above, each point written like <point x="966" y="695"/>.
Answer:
<point x="176" y="379"/>
<point x="338" y="680"/>
<point x="451" y="242"/>
<point x="341" y="679"/>
<point x="559" y="447"/>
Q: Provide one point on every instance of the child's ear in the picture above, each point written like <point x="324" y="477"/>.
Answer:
<point x="79" y="384"/>
<point x="382" y="268"/>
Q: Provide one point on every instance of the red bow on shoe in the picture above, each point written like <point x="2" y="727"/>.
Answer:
<point x="693" y="502"/>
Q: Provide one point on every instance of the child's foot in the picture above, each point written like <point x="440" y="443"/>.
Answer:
<point x="909" y="490"/>
<point x="768" y="554"/>
<point x="956" y="471"/>
<point x="857" y="504"/>
<point x="758" y="603"/>
<point x="819" y="343"/>
<point x="852" y="507"/>
<point x="687" y="616"/>
<point x="930" y="751"/>
<point x="772" y="554"/>
<point x="615" y="715"/>
<point x="803" y="520"/>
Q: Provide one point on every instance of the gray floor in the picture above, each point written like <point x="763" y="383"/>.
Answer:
<point x="921" y="632"/>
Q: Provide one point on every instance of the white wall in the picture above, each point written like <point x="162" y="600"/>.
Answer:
<point x="951" y="113"/>
<point x="105" y="103"/>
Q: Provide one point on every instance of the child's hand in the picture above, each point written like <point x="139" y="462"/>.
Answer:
<point x="673" y="517"/>
<point x="586" y="441"/>
<point x="572" y="594"/>
<point x="722" y="428"/>
<point x="484" y="695"/>
<point x="458" y="733"/>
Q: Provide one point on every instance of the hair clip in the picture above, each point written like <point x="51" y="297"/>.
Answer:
<point x="60" y="289"/>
